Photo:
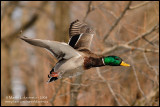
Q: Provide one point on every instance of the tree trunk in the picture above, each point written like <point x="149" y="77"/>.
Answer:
<point x="61" y="19"/>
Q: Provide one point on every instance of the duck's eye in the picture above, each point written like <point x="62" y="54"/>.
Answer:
<point x="116" y="58"/>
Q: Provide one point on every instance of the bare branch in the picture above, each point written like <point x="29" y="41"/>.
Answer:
<point x="89" y="10"/>
<point x="109" y="50"/>
<point x="127" y="45"/>
<point x="55" y="94"/>
<point x="109" y="86"/>
<point x="152" y="40"/>
<point x="145" y="34"/>
<point x="148" y="41"/>
<point x="137" y="80"/>
<point x="117" y="21"/>
<point x="140" y="49"/>
<point x="139" y="5"/>
<point x="152" y="97"/>
<point x="74" y="91"/>
<point x="8" y="39"/>
<point x="151" y="67"/>
<point x="75" y="83"/>
<point x="124" y="100"/>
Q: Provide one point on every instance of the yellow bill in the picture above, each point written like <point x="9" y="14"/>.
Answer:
<point x="124" y="64"/>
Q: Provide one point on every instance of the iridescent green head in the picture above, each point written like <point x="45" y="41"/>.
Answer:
<point x="114" y="61"/>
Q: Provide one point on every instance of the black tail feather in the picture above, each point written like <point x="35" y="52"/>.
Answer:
<point x="52" y="70"/>
<point x="52" y="79"/>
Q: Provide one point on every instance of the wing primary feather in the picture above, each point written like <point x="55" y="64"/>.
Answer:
<point x="80" y="35"/>
<point x="75" y="28"/>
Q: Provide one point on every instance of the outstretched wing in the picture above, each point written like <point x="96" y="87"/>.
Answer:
<point x="80" y="35"/>
<point x="58" y="49"/>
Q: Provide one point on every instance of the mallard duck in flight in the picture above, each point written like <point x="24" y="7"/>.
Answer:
<point x="74" y="57"/>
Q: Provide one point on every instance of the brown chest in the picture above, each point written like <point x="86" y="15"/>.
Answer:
<point x="90" y="62"/>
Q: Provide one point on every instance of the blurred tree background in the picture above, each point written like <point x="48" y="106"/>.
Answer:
<point x="123" y="28"/>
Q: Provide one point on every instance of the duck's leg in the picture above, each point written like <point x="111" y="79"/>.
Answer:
<point x="52" y="76"/>
<point x="51" y="72"/>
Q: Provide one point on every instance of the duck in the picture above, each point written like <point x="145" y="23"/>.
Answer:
<point x="74" y="57"/>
